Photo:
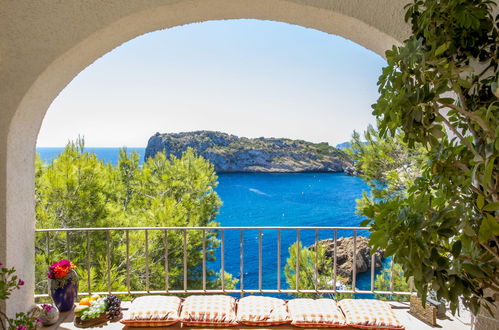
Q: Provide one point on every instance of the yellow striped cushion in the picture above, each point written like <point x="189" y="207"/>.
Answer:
<point x="255" y="310"/>
<point x="152" y="311"/>
<point x="215" y="311"/>
<point x="369" y="314"/>
<point x="315" y="313"/>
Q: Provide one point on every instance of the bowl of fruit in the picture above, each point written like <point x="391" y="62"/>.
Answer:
<point x="96" y="310"/>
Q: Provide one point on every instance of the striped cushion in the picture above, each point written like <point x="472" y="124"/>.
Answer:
<point x="215" y="311"/>
<point x="315" y="313"/>
<point x="152" y="311"/>
<point x="369" y="314"/>
<point x="255" y="310"/>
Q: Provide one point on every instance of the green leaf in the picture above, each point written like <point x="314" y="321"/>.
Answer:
<point x="488" y="228"/>
<point x="456" y="248"/>
<point x="447" y="100"/>
<point x="442" y="48"/>
<point x="494" y="206"/>
<point x="487" y="175"/>
<point x="364" y="223"/>
<point x="480" y="201"/>
<point x="474" y="270"/>
<point x="436" y="131"/>
<point x="465" y="83"/>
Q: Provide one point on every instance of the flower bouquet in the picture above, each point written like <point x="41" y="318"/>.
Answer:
<point x="63" y="283"/>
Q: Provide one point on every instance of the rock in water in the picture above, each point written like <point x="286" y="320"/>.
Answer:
<point x="230" y="153"/>
<point x="344" y="255"/>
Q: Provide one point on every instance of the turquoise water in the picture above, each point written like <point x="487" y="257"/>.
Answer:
<point x="263" y="199"/>
<point x="297" y="199"/>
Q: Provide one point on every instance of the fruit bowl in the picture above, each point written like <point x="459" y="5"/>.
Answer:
<point x="97" y="310"/>
<point x="89" y="323"/>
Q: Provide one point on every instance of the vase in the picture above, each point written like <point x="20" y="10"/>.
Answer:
<point x="64" y="291"/>
<point x="48" y="314"/>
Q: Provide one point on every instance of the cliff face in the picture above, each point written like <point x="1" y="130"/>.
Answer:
<point x="344" y="255"/>
<point x="230" y="153"/>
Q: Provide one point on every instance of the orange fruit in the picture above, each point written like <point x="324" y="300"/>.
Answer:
<point x="85" y="301"/>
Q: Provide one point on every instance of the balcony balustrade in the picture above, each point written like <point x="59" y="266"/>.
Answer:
<point x="220" y="232"/>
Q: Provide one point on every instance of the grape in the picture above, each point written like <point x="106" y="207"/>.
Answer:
<point x="113" y="308"/>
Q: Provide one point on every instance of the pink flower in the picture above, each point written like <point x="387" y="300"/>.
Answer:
<point x="64" y="263"/>
<point x="21" y="327"/>
<point x="20" y="282"/>
<point x="47" y="307"/>
<point x="38" y="320"/>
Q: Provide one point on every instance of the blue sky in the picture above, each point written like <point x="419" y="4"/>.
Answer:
<point x="245" y="77"/>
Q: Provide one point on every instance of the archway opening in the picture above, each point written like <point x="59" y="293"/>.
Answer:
<point x="53" y="70"/>
<point x="297" y="87"/>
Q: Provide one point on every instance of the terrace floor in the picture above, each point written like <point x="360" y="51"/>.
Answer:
<point x="400" y="309"/>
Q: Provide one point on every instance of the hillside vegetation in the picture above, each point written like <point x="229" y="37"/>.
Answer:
<point x="230" y="153"/>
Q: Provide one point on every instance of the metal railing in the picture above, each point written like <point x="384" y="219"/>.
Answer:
<point x="221" y="233"/>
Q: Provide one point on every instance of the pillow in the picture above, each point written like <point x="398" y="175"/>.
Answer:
<point x="255" y="310"/>
<point x="316" y="313"/>
<point x="369" y="314"/>
<point x="214" y="311"/>
<point x="152" y="311"/>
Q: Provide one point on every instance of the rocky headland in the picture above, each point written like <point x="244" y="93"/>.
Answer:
<point x="344" y="255"/>
<point x="230" y="153"/>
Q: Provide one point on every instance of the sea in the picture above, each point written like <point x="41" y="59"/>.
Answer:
<point x="272" y="199"/>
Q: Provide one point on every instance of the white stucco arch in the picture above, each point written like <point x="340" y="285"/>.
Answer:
<point x="43" y="47"/>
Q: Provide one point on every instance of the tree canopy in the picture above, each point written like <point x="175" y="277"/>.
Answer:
<point x="77" y="190"/>
<point x="439" y="97"/>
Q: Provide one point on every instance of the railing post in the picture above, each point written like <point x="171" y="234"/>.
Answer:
<point x="297" y="268"/>
<point x="185" y="260"/>
<point x="68" y="248"/>
<point x="108" y="261"/>
<point x="127" y="240"/>
<point x="166" y="261"/>
<point x="316" y="264"/>
<point x="222" y="253"/>
<point x="204" y="259"/>
<point x="260" y="260"/>
<point x="392" y="274"/>
<point x="47" y="238"/>
<point x="278" y="260"/>
<point x="147" y="258"/>
<point x="241" y="261"/>
<point x="335" y="258"/>
<point x="88" y="264"/>
<point x="354" y="266"/>
<point x="373" y="266"/>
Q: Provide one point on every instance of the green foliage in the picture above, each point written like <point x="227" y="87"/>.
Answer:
<point x="76" y="190"/>
<point x="388" y="165"/>
<point x="308" y="279"/>
<point x="387" y="278"/>
<point x="439" y="90"/>
<point x="9" y="282"/>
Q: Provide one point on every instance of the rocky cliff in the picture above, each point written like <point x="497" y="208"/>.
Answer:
<point x="230" y="153"/>
<point x="344" y="255"/>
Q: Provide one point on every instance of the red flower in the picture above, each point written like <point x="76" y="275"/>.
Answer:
<point x="20" y="282"/>
<point x="60" y="269"/>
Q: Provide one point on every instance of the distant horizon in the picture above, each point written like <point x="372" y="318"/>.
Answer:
<point x="145" y="146"/>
